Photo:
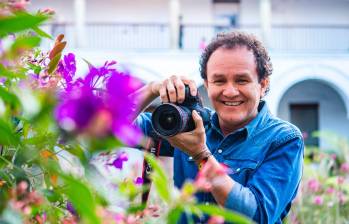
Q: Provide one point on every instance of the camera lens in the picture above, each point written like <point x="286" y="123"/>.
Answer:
<point x="169" y="119"/>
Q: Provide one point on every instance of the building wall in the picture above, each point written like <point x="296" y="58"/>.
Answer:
<point x="306" y="12"/>
<point x="125" y="11"/>
<point x="332" y="112"/>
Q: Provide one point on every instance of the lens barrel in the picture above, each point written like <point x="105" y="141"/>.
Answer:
<point x="170" y="119"/>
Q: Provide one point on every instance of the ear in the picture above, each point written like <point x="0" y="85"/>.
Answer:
<point x="205" y="83"/>
<point x="264" y="86"/>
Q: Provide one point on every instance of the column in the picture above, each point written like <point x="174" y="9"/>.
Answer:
<point x="175" y="17"/>
<point x="79" y="23"/>
<point x="265" y="16"/>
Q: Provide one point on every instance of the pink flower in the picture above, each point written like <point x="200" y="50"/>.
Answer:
<point x="330" y="190"/>
<point x="210" y="175"/>
<point x="314" y="185"/>
<point x="340" y="180"/>
<point x="341" y="197"/>
<point x="216" y="220"/>
<point x="318" y="200"/>
<point x="345" y="167"/>
<point x="334" y="156"/>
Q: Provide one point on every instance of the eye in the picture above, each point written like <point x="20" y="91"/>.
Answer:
<point x="242" y="81"/>
<point x="218" y="82"/>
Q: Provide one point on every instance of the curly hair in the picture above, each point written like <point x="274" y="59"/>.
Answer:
<point x="232" y="40"/>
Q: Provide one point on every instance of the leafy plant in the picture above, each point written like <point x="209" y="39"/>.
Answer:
<point x="49" y="118"/>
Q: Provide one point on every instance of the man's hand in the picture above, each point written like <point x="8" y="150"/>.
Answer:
<point x="192" y="142"/>
<point x="172" y="89"/>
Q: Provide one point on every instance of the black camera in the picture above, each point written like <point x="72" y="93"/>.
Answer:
<point x="169" y="119"/>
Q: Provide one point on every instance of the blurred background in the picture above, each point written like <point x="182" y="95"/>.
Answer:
<point x="308" y="41"/>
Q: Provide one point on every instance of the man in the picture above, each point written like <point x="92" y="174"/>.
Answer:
<point x="264" y="153"/>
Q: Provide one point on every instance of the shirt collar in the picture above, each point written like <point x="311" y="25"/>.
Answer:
<point x="249" y="129"/>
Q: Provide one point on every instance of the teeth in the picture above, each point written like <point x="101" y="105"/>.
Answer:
<point x="233" y="103"/>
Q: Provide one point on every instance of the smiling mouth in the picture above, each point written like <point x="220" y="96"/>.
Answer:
<point x="237" y="103"/>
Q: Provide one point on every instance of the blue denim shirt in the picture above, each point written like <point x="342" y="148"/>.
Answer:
<point x="266" y="159"/>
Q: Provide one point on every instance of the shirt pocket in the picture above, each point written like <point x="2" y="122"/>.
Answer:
<point x="241" y="169"/>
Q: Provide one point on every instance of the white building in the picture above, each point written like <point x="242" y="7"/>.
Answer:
<point x="308" y="41"/>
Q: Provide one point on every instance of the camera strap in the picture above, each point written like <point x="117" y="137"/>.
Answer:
<point x="153" y="149"/>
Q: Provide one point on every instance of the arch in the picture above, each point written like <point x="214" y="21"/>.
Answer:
<point x="332" y="76"/>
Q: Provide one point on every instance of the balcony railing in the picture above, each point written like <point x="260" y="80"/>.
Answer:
<point x="293" y="38"/>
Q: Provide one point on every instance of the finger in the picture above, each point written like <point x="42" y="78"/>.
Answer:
<point x="163" y="95"/>
<point x="197" y="120"/>
<point x="171" y="91"/>
<point x="179" y="85"/>
<point x="191" y="83"/>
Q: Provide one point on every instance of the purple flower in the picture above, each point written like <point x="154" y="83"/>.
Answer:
<point x="77" y="109"/>
<point x="119" y="160"/>
<point x="2" y="80"/>
<point x="98" y="104"/>
<point x="119" y="88"/>
<point x="138" y="181"/>
<point x="67" y="69"/>
<point x="71" y="209"/>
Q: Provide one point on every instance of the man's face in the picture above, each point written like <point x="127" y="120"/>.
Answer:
<point x="233" y="87"/>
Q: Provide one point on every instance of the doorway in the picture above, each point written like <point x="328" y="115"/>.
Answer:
<point x="306" y="118"/>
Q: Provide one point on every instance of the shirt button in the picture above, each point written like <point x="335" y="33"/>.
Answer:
<point x="238" y="169"/>
<point x="190" y="158"/>
<point x="220" y="151"/>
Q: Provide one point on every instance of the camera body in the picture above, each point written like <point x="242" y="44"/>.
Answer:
<point x="169" y="119"/>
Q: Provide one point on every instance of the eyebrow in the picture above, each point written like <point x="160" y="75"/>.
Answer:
<point x="217" y="75"/>
<point x="241" y="75"/>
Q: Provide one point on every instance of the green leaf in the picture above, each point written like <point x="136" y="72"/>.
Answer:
<point x="19" y="22"/>
<point x="24" y="42"/>
<point x="159" y="179"/>
<point x="77" y="151"/>
<point x="214" y="210"/>
<point x="9" y="97"/>
<point x="82" y="199"/>
<point x="174" y="215"/>
<point x="42" y="33"/>
<point x="9" y="74"/>
<point x="36" y="68"/>
<point x="52" y="195"/>
<point x="136" y="208"/>
<point x="53" y="63"/>
<point x="42" y="140"/>
<point x="7" y="135"/>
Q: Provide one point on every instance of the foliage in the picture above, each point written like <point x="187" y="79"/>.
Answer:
<point x="324" y="192"/>
<point x="47" y="113"/>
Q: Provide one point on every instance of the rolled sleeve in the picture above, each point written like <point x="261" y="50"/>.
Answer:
<point x="242" y="200"/>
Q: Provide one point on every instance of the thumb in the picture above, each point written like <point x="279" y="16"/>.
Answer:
<point x="197" y="120"/>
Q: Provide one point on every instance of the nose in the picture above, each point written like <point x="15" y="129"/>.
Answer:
<point x="231" y="91"/>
